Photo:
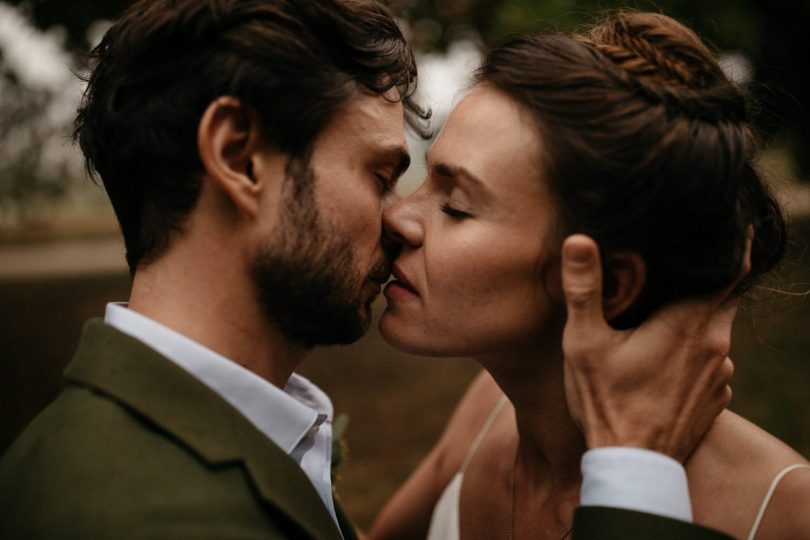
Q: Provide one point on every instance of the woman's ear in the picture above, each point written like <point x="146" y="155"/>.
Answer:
<point x="624" y="278"/>
<point x="228" y="138"/>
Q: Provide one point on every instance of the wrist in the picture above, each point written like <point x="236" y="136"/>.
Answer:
<point x="600" y="435"/>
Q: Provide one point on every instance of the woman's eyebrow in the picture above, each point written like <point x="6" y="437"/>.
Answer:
<point x="456" y="172"/>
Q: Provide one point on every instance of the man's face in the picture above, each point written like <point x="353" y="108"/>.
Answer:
<point x="323" y="262"/>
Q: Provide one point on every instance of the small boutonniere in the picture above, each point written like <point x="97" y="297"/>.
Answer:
<point x="340" y="448"/>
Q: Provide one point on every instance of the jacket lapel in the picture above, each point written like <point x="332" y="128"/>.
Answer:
<point x="346" y="525"/>
<point x="159" y="390"/>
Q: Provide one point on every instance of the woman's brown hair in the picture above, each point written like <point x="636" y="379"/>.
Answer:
<point x="647" y="148"/>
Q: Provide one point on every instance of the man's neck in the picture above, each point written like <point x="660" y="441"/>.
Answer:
<point x="214" y="304"/>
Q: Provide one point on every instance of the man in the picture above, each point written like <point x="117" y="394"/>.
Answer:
<point x="248" y="149"/>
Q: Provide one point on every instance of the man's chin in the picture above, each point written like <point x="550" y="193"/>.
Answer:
<point x="364" y="318"/>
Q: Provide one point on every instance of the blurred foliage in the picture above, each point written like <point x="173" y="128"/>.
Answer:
<point x="768" y="33"/>
<point x="76" y="16"/>
<point x="21" y="143"/>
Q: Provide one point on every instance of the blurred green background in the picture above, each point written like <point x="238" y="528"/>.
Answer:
<point x="61" y="259"/>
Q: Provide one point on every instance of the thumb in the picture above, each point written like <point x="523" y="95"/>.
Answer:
<point x="582" y="286"/>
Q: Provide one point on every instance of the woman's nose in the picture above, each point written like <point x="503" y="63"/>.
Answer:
<point x="402" y="221"/>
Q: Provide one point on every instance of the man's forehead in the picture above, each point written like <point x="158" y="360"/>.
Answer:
<point x="374" y="108"/>
<point x="377" y="122"/>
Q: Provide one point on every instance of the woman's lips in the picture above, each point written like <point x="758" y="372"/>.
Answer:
<point x="396" y="290"/>
<point x="401" y="287"/>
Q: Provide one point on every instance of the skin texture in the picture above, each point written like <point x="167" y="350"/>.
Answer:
<point x="204" y="286"/>
<point x="488" y="283"/>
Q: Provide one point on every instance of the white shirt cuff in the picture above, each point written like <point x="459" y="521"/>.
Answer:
<point x="635" y="479"/>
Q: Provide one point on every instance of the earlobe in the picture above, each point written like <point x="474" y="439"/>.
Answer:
<point x="625" y="275"/>
<point x="227" y="140"/>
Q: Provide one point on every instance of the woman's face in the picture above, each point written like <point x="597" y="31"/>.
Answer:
<point x="472" y="275"/>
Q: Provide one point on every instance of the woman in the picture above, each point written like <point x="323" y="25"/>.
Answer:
<point x="633" y="136"/>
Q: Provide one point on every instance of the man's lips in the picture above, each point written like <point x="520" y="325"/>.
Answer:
<point x="382" y="274"/>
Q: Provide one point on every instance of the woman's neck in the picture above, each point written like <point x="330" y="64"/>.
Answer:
<point x="550" y="444"/>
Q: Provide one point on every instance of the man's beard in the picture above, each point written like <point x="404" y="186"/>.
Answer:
<point x="308" y="282"/>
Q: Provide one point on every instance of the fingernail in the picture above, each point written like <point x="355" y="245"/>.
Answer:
<point x="578" y="253"/>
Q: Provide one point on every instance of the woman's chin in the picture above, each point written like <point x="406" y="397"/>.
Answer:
<point x="407" y="338"/>
<point x="395" y="334"/>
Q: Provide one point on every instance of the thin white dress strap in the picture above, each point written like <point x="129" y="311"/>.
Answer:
<point x="445" y="522"/>
<point x="769" y="495"/>
<point x="483" y="433"/>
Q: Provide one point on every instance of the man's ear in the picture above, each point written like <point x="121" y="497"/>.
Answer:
<point x="624" y="278"/>
<point x="227" y="140"/>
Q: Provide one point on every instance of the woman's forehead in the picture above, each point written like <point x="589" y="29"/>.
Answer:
<point x="492" y="137"/>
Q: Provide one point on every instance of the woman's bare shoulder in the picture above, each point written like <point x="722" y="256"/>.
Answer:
<point x="731" y="470"/>
<point x="739" y="442"/>
<point x="786" y="516"/>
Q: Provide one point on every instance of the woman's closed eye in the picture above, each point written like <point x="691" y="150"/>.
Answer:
<point x="454" y="212"/>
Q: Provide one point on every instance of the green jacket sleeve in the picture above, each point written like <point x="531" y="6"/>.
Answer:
<point x="601" y="523"/>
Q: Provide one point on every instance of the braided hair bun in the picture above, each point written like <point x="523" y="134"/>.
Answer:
<point x="647" y="148"/>
<point x="670" y="65"/>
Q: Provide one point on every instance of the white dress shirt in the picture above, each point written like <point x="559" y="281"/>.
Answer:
<point x="635" y="479"/>
<point x="298" y="418"/>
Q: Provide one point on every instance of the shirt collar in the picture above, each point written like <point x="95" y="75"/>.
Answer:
<point x="284" y="416"/>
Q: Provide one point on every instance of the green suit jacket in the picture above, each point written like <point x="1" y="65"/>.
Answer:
<point x="136" y="447"/>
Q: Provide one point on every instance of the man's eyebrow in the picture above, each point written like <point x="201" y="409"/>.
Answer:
<point x="397" y="155"/>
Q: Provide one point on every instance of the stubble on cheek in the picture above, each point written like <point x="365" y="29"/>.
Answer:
<point x="305" y="273"/>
